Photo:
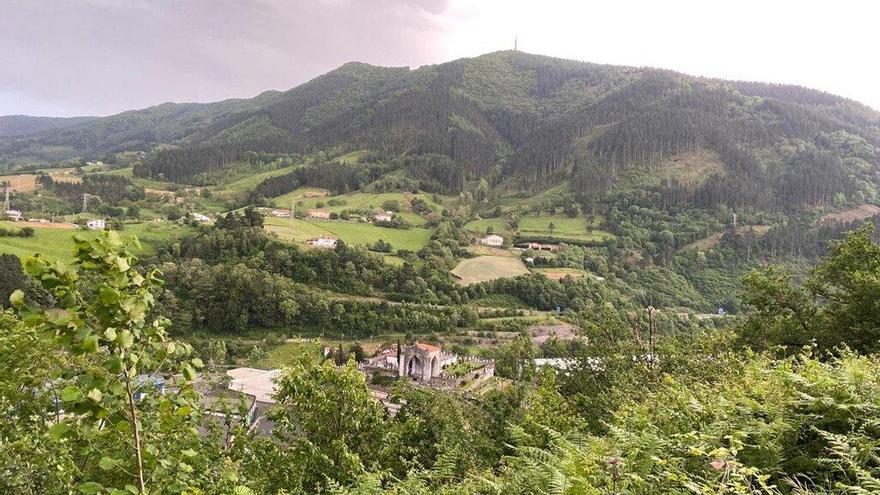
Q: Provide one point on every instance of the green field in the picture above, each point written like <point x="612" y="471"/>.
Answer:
<point x="248" y="183"/>
<point x="287" y="353"/>
<point x="144" y="182"/>
<point x="58" y="243"/>
<point x="351" y="158"/>
<point x="356" y="200"/>
<point x="485" y="268"/>
<point x="480" y="226"/>
<point x="564" y="227"/>
<point x="360" y="234"/>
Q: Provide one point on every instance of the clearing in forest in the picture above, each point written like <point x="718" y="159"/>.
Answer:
<point x="485" y="268"/>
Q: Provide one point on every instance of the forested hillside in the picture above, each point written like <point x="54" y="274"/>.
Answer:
<point x="533" y="120"/>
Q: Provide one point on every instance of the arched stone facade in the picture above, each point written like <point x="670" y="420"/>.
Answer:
<point x="419" y="361"/>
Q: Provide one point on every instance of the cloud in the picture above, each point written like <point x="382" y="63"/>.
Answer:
<point x="103" y="56"/>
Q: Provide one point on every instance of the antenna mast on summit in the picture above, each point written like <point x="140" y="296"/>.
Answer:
<point x="514" y="42"/>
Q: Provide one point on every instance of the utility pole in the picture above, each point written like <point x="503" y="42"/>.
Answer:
<point x="514" y="41"/>
<point x="6" y="206"/>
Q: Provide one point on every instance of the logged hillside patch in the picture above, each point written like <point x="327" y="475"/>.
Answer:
<point x="860" y="212"/>
<point x="692" y="168"/>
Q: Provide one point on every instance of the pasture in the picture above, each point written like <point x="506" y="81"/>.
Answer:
<point x="564" y="227"/>
<point x="28" y="182"/>
<point x="485" y="268"/>
<point x="57" y="243"/>
<point x="308" y="198"/>
<point x="361" y="234"/>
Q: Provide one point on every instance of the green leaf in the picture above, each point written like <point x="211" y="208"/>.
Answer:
<point x="58" y="431"/>
<point x="90" y="488"/>
<point x="189" y="372"/>
<point x="17" y="298"/>
<point x="114" y="365"/>
<point x="108" y="463"/>
<point x="189" y="453"/>
<point x="70" y="393"/>
<point x="110" y="334"/>
<point x="198" y="363"/>
<point x="95" y="395"/>
<point x="125" y="339"/>
<point x="90" y="344"/>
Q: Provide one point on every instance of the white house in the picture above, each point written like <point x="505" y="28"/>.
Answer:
<point x="280" y="213"/>
<point x="492" y="240"/>
<point x="383" y="217"/>
<point x="198" y="217"/>
<point x="96" y="224"/>
<point x="323" y="242"/>
<point x="13" y="215"/>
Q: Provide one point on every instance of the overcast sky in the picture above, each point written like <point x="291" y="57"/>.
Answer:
<point x="98" y="57"/>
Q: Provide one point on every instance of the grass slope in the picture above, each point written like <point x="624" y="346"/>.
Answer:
<point x="484" y="268"/>
<point x="360" y="234"/>
<point x="564" y="227"/>
<point x="57" y="244"/>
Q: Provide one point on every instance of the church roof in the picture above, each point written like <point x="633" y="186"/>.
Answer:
<point x="427" y="347"/>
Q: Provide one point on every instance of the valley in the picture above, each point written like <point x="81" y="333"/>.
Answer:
<point x="502" y="274"/>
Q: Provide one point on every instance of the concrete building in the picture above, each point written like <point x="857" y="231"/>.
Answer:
<point x="198" y="217"/>
<point x="256" y="382"/>
<point x="96" y="224"/>
<point x="13" y="215"/>
<point x="281" y="213"/>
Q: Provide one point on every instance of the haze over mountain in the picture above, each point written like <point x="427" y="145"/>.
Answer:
<point x="539" y="119"/>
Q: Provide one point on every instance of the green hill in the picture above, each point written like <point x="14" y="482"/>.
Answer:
<point x="532" y="120"/>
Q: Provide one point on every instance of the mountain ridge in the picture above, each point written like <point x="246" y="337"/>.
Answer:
<point x="535" y="118"/>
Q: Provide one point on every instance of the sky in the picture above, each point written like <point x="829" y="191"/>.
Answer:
<point x="100" y="57"/>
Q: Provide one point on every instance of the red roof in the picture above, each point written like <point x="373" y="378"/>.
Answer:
<point x="427" y="347"/>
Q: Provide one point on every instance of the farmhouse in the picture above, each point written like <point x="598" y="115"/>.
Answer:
<point x="96" y="224"/>
<point x="280" y="213"/>
<point x="13" y="215"/>
<point x="323" y="242"/>
<point x="316" y="213"/>
<point x="537" y="246"/>
<point x="492" y="240"/>
<point x="383" y="217"/>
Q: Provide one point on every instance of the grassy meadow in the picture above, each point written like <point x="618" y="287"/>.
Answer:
<point x="485" y="268"/>
<point x="362" y="234"/>
<point x="57" y="243"/>
<point x="565" y="227"/>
